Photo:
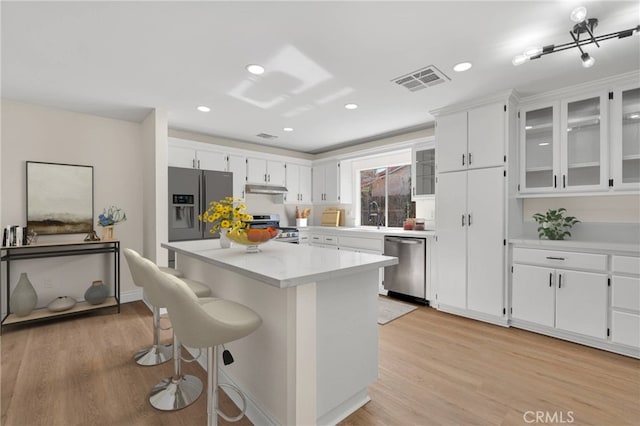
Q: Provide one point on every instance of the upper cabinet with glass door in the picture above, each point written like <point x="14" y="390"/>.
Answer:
<point x="564" y="145"/>
<point x="423" y="171"/>
<point x="625" y="138"/>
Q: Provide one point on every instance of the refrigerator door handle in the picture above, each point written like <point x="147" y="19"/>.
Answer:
<point x="201" y="206"/>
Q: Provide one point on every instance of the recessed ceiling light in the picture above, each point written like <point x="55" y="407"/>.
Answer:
<point x="543" y="144"/>
<point x="634" y="116"/>
<point x="528" y="127"/>
<point x="351" y="106"/>
<point x="288" y="129"/>
<point x="204" y="109"/>
<point x="462" y="66"/>
<point x="255" y="69"/>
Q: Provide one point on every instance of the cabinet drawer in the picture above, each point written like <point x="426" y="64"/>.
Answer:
<point x="625" y="293"/>
<point x="626" y="264"/>
<point x="625" y="328"/>
<point x="361" y="243"/>
<point x="315" y="239"/>
<point x="330" y="240"/>
<point x="561" y="259"/>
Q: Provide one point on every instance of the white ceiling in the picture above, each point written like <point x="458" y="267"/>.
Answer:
<point x="120" y="59"/>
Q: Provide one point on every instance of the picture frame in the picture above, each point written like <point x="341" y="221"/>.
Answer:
<point x="59" y="198"/>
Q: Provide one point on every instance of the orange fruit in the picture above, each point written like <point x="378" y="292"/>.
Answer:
<point x="254" y="235"/>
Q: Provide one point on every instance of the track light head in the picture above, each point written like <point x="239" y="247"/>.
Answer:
<point x="587" y="60"/>
<point x="578" y="14"/>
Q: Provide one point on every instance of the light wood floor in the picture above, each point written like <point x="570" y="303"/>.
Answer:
<point x="435" y="369"/>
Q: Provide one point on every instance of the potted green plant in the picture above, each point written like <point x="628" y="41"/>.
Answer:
<point x="554" y="225"/>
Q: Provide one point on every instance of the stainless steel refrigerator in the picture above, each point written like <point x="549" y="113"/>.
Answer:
<point x="190" y="191"/>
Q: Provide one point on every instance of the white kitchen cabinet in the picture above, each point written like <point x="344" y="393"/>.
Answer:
<point x="625" y="301"/>
<point x="298" y="181"/>
<point x="625" y="137"/>
<point x="268" y="172"/>
<point x="556" y="297"/>
<point x="423" y="171"/>
<point x="237" y="164"/>
<point x="326" y="241"/>
<point x="471" y="241"/>
<point x="471" y="139"/>
<point x="564" y="145"/>
<point x="325" y="180"/>
<point x="191" y="158"/>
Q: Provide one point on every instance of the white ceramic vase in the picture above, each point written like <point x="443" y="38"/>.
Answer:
<point x="24" y="298"/>
<point x="224" y="241"/>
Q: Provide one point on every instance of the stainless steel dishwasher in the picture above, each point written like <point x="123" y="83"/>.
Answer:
<point x="408" y="277"/>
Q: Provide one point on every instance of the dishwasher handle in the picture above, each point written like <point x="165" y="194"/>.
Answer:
<point x="402" y="240"/>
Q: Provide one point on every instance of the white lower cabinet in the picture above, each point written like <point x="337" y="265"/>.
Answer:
<point x="591" y="304"/>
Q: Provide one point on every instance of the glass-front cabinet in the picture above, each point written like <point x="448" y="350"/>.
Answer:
<point x="584" y="142"/>
<point x="539" y="135"/>
<point x="423" y="176"/>
<point x="564" y="145"/>
<point x="625" y="137"/>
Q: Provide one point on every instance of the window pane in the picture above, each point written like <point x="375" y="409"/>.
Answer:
<point x="372" y="196"/>
<point x="399" y="194"/>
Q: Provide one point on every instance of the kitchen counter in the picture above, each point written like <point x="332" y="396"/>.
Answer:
<point x="316" y="352"/>
<point x="586" y="246"/>
<point x="367" y="230"/>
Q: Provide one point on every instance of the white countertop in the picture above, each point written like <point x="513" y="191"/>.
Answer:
<point x="367" y="231"/>
<point x="609" y="246"/>
<point x="281" y="264"/>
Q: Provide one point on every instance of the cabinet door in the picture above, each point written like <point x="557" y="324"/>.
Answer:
<point x="238" y="166"/>
<point x="276" y="173"/>
<point x="584" y="144"/>
<point x="452" y="239"/>
<point x="533" y="294"/>
<point x="292" y="182"/>
<point x="581" y="303"/>
<point x="486" y="146"/>
<point x="304" y="183"/>
<point x="625" y="140"/>
<point x="331" y="181"/>
<point x="451" y="142"/>
<point x="318" y="184"/>
<point x="485" y="240"/>
<point x="423" y="172"/>
<point x="256" y="170"/>
<point x="539" y="148"/>
<point x="181" y="157"/>
<point x="211" y="160"/>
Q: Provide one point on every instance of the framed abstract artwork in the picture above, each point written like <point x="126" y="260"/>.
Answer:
<point x="59" y="198"/>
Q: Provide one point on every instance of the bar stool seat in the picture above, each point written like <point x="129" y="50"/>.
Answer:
<point x="171" y="271"/>
<point x="199" y="289"/>
<point x="204" y="325"/>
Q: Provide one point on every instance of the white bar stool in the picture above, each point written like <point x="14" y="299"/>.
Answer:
<point x="203" y="324"/>
<point x="159" y="353"/>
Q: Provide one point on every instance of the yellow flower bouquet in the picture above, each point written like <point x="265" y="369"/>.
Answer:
<point x="228" y="213"/>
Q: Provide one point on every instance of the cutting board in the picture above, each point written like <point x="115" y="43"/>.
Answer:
<point x="330" y="218"/>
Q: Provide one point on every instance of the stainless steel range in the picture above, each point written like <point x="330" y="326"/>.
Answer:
<point x="286" y="235"/>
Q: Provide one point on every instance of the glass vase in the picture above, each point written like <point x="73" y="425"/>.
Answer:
<point x="225" y="242"/>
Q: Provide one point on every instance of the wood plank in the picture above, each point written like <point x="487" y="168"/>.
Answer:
<point x="42" y="313"/>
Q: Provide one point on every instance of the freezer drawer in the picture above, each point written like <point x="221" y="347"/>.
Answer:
<point x="408" y="276"/>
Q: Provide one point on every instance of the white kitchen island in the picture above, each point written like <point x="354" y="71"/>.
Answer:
<point x="314" y="355"/>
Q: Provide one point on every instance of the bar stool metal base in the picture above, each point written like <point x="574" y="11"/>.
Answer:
<point x="154" y="355"/>
<point x="174" y="394"/>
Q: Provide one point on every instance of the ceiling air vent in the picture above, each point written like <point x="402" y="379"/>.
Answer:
<point x="266" y="136"/>
<point x="421" y="79"/>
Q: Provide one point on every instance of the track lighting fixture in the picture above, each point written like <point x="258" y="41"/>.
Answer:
<point x="582" y="26"/>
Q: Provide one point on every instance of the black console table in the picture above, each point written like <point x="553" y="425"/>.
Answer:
<point x="38" y="251"/>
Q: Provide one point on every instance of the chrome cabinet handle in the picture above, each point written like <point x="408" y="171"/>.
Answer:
<point x="559" y="280"/>
<point x="462" y="220"/>
<point x="463" y="159"/>
<point x="555" y="258"/>
<point x="469" y="158"/>
<point x="469" y="220"/>
<point x="550" y="279"/>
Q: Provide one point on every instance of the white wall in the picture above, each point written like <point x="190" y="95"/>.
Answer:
<point x="112" y="147"/>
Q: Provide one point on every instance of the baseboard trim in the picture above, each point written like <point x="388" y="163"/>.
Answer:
<point x="479" y="316"/>
<point x="131" y="296"/>
<point x="344" y="410"/>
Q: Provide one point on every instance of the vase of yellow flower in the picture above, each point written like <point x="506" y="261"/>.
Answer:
<point x="226" y="215"/>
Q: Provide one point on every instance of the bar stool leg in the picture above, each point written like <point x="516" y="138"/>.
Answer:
<point x="156" y="354"/>
<point x="178" y="391"/>
<point x="212" y="381"/>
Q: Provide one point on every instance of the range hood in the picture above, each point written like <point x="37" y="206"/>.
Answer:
<point x="265" y="189"/>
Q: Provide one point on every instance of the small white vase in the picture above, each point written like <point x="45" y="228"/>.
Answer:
<point x="224" y="241"/>
<point x="24" y="298"/>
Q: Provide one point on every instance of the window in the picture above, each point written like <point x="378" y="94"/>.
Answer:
<point x="385" y="196"/>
